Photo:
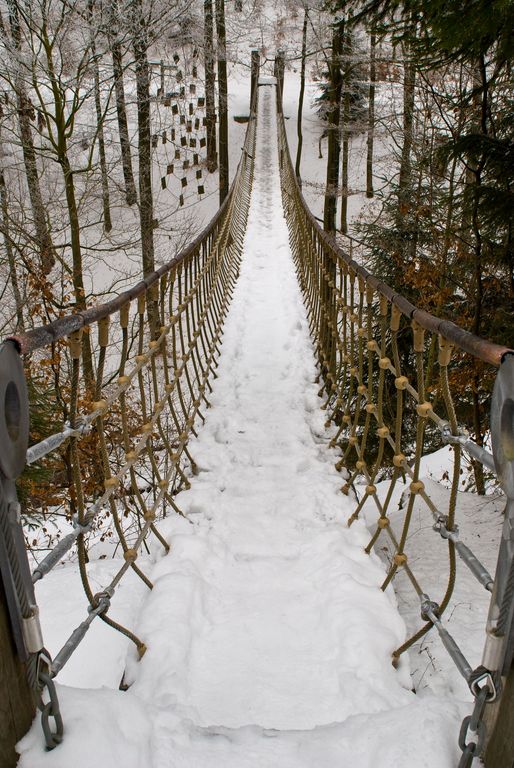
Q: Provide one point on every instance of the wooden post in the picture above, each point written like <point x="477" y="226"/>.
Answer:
<point x="255" y="75"/>
<point x="162" y="77"/>
<point x="499" y="721"/>
<point x="17" y="703"/>
<point x="279" y="74"/>
<point x="17" y="706"/>
<point x="223" y="100"/>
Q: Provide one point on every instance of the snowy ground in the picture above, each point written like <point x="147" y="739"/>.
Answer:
<point x="268" y="637"/>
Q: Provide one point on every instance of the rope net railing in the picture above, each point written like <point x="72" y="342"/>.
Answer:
<point x="138" y="373"/>
<point x="385" y="396"/>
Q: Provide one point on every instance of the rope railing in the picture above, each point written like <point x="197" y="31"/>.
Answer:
<point x="372" y="348"/>
<point x="128" y="426"/>
<point x="131" y="410"/>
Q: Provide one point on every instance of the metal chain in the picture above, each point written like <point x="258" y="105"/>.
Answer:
<point x="51" y="718"/>
<point x="473" y="726"/>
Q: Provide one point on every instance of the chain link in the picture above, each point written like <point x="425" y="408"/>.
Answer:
<point x="50" y="710"/>
<point x="474" y="725"/>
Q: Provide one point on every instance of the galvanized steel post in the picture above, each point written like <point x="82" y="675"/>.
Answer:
<point x="499" y="648"/>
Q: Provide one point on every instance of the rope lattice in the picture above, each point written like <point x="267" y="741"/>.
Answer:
<point x="154" y="351"/>
<point x="372" y="350"/>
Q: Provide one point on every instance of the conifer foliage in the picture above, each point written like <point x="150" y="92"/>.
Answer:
<point x="445" y="234"/>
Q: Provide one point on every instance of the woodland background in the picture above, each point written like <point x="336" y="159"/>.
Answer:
<point x="115" y="149"/>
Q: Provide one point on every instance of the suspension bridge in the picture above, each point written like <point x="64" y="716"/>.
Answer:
<point x="232" y="459"/>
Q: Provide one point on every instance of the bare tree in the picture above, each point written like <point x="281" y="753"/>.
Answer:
<point x="139" y="30"/>
<point x="210" y="107"/>
<point x="371" y="113"/>
<point x="300" y="98"/>
<point x="100" y="122"/>
<point x="335" y="86"/>
<point x="113" y="31"/>
<point x="223" y="98"/>
<point x="13" y="277"/>
<point x="25" y="109"/>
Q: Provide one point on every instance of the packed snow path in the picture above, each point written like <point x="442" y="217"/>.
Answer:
<point x="268" y="612"/>
<point x="269" y="639"/>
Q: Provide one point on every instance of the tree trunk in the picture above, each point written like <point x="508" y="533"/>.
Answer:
<point x="77" y="272"/>
<point x="99" y="120"/>
<point x="222" y="98"/>
<point x="140" y="44"/>
<point x="472" y="236"/>
<point x="346" y="148"/>
<point x="59" y="122"/>
<point x="330" y="207"/>
<point x="408" y="125"/>
<point x="210" y="105"/>
<point x="300" y="98"/>
<point x="255" y="66"/>
<point x="121" y="110"/>
<point x="478" y="468"/>
<point x="43" y="237"/>
<point x="20" y="323"/>
<point x="371" y="115"/>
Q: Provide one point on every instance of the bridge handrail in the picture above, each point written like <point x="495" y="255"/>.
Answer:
<point x="44" y="335"/>
<point x="380" y="398"/>
<point x="128" y="422"/>
<point x="478" y="347"/>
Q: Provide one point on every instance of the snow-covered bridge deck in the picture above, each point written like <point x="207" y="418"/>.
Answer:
<point x="269" y="638"/>
<point x="268" y="622"/>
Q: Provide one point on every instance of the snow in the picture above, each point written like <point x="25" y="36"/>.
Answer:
<point x="479" y="520"/>
<point x="269" y="639"/>
<point x="100" y="660"/>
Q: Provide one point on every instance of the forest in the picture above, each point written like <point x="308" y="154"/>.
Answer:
<point x="114" y="122"/>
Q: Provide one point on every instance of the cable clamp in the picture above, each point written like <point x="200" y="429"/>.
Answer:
<point x="449" y="438"/>
<point x="441" y="527"/>
<point x="101" y="601"/>
<point x="32" y="634"/>
<point x="429" y="609"/>
<point x="82" y="527"/>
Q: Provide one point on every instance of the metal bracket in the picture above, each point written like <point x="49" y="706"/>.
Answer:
<point x="482" y="678"/>
<point x="429" y="609"/>
<point x="463" y="439"/>
<point x="441" y="527"/>
<point x="32" y="634"/>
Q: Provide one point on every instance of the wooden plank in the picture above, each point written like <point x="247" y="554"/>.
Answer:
<point x="17" y="704"/>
